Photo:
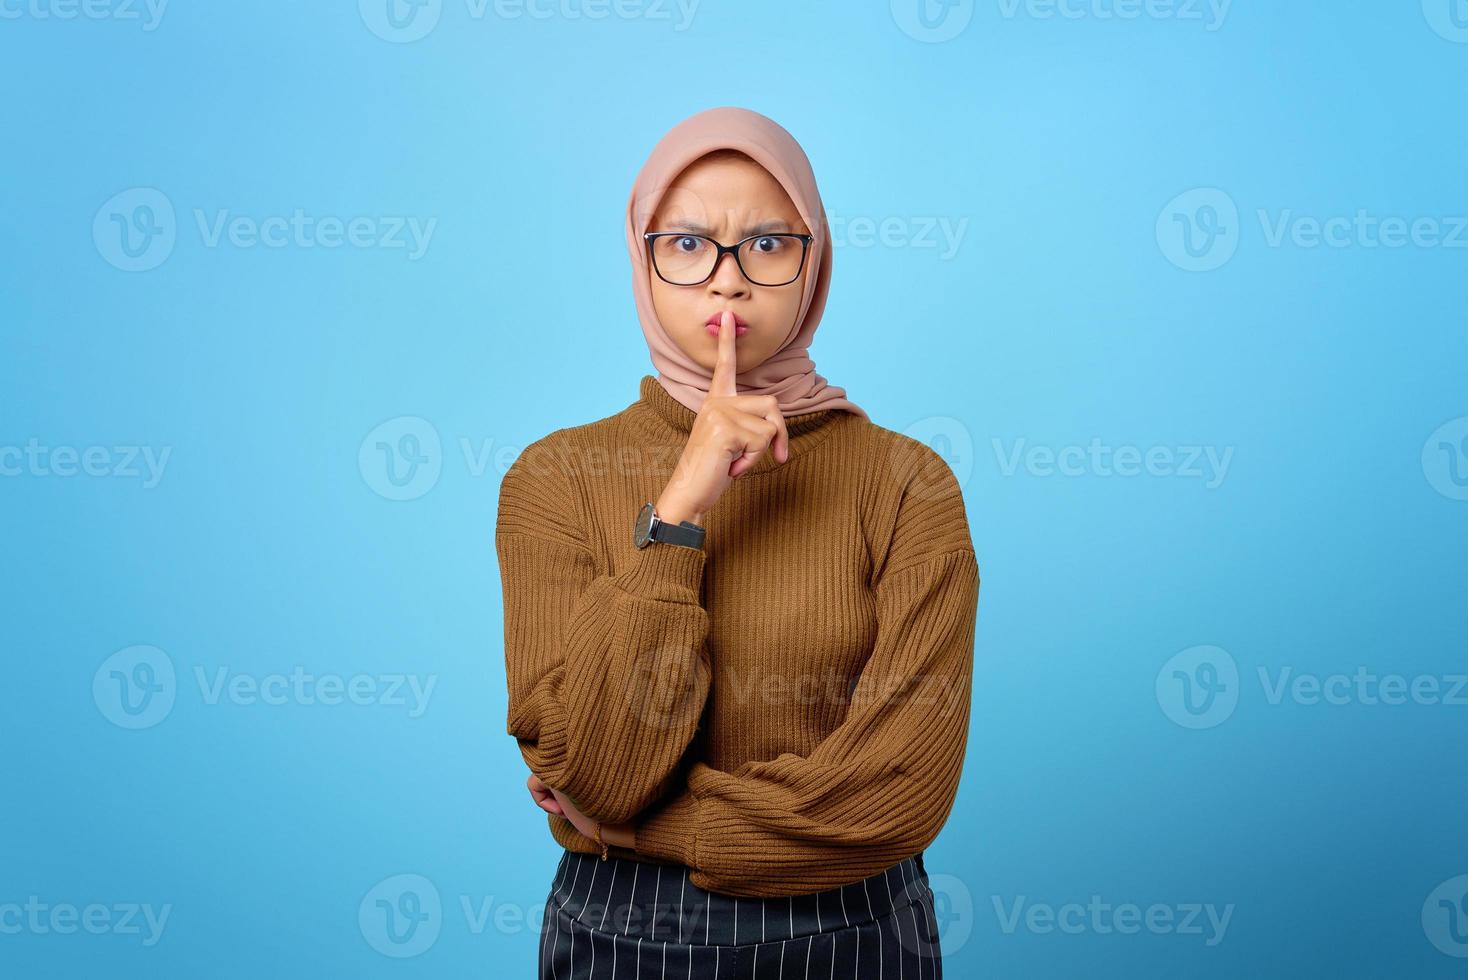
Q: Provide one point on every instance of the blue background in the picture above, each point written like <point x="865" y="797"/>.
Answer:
<point x="1066" y="314"/>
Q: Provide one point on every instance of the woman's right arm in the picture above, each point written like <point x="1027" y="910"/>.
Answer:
<point x="607" y="674"/>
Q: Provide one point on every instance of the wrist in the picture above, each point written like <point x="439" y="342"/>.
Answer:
<point x="674" y="512"/>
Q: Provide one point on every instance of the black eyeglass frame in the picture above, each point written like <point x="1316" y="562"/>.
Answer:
<point x="805" y="241"/>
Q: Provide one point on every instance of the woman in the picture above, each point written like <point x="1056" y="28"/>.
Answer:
<point x="739" y="615"/>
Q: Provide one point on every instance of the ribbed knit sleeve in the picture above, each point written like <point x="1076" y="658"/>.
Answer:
<point x="607" y="673"/>
<point x="881" y="785"/>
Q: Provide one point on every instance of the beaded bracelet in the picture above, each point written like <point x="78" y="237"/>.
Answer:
<point x="600" y="843"/>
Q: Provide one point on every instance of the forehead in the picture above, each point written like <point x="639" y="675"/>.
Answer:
<point x="721" y="191"/>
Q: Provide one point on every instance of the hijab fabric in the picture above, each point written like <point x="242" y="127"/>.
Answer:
<point x="789" y="374"/>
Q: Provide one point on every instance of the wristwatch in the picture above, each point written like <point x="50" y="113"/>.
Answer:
<point x="651" y="528"/>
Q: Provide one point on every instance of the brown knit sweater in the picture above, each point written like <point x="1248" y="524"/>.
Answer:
<point x="784" y="711"/>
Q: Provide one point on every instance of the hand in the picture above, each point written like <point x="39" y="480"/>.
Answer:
<point x="554" y="801"/>
<point x="729" y="436"/>
<point x="543" y="795"/>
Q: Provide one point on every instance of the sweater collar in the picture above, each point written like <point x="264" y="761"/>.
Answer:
<point x="657" y="411"/>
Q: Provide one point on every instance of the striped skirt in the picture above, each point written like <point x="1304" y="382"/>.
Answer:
<point x="621" y="919"/>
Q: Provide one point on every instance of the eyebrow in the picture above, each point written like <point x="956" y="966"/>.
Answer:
<point x="763" y="228"/>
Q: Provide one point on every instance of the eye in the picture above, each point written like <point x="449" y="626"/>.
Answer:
<point x="767" y="244"/>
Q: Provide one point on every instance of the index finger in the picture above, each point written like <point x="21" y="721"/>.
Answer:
<point x="722" y="383"/>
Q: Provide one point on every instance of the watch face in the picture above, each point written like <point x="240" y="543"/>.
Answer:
<point x="641" y="531"/>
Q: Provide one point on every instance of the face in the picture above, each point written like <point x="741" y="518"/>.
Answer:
<point x="728" y="198"/>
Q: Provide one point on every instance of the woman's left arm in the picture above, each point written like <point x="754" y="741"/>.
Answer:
<point x="880" y="787"/>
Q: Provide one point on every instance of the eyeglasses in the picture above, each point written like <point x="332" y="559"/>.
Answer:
<point x="681" y="259"/>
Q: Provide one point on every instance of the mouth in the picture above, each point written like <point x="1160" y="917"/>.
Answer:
<point x="740" y="326"/>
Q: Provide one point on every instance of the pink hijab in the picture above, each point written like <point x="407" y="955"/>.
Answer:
<point x="789" y="374"/>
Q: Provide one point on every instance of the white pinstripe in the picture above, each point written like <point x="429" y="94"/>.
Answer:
<point x="550" y="915"/>
<point x="916" y="935"/>
<point x="873" y="917"/>
<point x="887" y="880"/>
<point x="628" y="922"/>
<point x="847" y="920"/>
<point x="655" y="890"/>
<point x="596" y="870"/>
<point x="557" y="944"/>
<point x="610" y="886"/>
<point x="931" y="912"/>
<point x="608" y="905"/>
<point x="680" y="923"/>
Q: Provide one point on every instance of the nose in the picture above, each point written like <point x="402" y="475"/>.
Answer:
<point x="728" y="281"/>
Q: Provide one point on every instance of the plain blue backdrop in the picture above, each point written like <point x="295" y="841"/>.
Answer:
<point x="1177" y="287"/>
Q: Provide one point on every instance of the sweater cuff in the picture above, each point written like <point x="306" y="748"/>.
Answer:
<point x="671" y="833"/>
<point x="671" y="572"/>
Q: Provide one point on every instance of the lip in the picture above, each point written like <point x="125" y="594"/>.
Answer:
<point x="740" y="327"/>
